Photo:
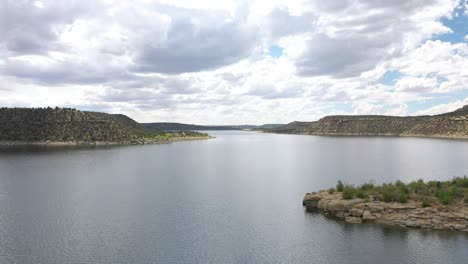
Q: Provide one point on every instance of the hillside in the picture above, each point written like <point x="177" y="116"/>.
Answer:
<point x="70" y="125"/>
<point x="450" y="125"/>
<point x="166" y="126"/>
<point x="269" y="126"/>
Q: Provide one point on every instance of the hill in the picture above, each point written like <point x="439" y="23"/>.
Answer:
<point x="166" y="126"/>
<point x="268" y="126"/>
<point x="35" y="125"/>
<point x="449" y="125"/>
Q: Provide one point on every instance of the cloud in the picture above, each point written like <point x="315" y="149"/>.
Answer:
<point x="196" y="43"/>
<point x="205" y="61"/>
<point x="444" y="108"/>
<point x="350" y="38"/>
<point x="31" y="27"/>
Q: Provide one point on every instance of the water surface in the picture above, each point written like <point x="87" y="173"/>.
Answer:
<point x="233" y="199"/>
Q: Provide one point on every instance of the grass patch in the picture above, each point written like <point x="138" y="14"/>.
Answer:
<point x="446" y="192"/>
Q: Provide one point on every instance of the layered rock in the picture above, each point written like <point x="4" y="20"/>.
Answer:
<point x="449" y="125"/>
<point x="411" y="214"/>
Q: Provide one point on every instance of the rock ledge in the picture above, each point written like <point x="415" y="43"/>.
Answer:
<point x="411" y="214"/>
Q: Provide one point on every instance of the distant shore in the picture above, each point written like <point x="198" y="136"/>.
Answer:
<point x="99" y="143"/>
<point x="433" y="205"/>
<point x="460" y="137"/>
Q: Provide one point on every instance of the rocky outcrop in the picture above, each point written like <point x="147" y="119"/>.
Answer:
<point x="411" y="214"/>
<point x="449" y="125"/>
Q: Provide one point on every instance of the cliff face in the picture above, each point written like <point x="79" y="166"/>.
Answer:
<point x="453" y="125"/>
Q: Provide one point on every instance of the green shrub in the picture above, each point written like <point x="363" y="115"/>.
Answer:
<point x="360" y="193"/>
<point x="339" y="186"/>
<point x="367" y="186"/>
<point x="399" y="184"/>
<point x="403" y="198"/>
<point x="426" y="203"/>
<point x="331" y="191"/>
<point x="388" y="193"/>
<point x="419" y="187"/>
<point x="445" y="196"/>
<point x="461" y="182"/>
<point x="348" y="192"/>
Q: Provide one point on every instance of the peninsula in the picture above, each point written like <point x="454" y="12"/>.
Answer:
<point x="448" y="125"/>
<point x="66" y="126"/>
<point x="431" y="205"/>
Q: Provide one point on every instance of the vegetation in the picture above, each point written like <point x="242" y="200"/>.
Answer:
<point x="71" y="125"/>
<point x="445" y="192"/>
<point x="340" y="186"/>
<point x="454" y="125"/>
<point x="348" y="192"/>
<point x="426" y="202"/>
<point x="163" y="126"/>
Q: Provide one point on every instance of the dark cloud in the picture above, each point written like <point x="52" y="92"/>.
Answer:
<point x="27" y="27"/>
<point x="53" y="72"/>
<point x="191" y="48"/>
<point x="341" y="57"/>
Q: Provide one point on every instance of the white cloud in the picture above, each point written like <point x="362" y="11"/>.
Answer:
<point x="364" y="108"/>
<point x="205" y="62"/>
<point x="444" y="108"/>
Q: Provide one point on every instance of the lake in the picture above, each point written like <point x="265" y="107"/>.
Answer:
<point x="233" y="199"/>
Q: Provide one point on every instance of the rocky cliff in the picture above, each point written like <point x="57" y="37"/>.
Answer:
<point x="450" y="125"/>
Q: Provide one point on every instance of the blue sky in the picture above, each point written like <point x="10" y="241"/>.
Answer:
<point x="235" y="62"/>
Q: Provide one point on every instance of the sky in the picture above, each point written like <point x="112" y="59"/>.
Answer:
<point x="235" y="62"/>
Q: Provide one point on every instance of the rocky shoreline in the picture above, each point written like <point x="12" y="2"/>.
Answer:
<point x="411" y="214"/>
<point x="452" y="125"/>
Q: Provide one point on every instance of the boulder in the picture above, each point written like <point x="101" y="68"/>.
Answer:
<point x="374" y="208"/>
<point x="343" y="205"/>
<point x="356" y="212"/>
<point x="353" y="220"/>
<point x="367" y="215"/>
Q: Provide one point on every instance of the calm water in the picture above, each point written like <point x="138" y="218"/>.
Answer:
<point x="233" y="199"/>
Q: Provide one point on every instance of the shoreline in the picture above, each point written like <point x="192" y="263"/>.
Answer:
<point x="99" y="143"/>
<point x="370" y="136"/>
<point x="411" y="214"/>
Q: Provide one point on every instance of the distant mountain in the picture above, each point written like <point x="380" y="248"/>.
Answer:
<point x="70" y="125"/>
<point x="449" y="125"/>
<point x="269" y="126"/>
<point x="165" y="126"/>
